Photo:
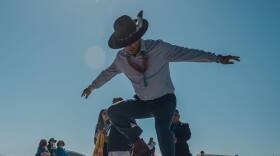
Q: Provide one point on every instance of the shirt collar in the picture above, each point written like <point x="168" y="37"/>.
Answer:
<point x="142" y="49"/>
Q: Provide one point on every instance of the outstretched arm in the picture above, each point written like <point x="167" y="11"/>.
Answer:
<point x="102" y="78"/>
<point x="175" y="53"/>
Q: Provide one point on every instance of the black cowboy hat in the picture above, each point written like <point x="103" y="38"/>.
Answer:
<point x="127" y="31"/>
<point x="52" y="140"/>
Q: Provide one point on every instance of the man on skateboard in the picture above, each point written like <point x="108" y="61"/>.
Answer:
<point x="146" y="64"/>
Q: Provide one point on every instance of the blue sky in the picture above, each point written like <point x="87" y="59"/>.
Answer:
<point x="50" y="50"/>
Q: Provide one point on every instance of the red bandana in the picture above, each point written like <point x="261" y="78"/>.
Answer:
<point x="141" y="69"/>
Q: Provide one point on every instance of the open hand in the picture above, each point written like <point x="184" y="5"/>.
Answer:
<point x="86" y="93"/>
<point x="228" y="59"/>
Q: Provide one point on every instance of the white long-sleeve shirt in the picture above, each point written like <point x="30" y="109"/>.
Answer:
<point x="159" y="54"/>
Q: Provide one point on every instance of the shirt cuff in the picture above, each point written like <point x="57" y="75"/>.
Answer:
<point x="92" y="87"/>
<point x="218" y="59"/>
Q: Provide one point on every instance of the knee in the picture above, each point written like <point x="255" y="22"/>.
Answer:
<point x="163" y="129"/>
<point x="112" y="111"/>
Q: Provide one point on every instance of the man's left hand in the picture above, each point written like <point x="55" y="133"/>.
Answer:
<point x="228" y="59"/>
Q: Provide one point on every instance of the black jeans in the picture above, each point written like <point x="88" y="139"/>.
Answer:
<point x="162" y="109"/>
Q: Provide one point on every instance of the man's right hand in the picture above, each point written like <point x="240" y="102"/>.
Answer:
<point x="86" y="93"/>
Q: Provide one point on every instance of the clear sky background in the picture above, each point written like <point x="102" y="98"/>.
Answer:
<point x="51" y="49"/>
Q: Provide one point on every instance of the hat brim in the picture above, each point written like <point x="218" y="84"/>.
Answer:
<point x="114" y="43"/>
<point x="54" y="141"/>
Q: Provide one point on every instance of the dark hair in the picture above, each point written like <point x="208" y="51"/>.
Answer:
<point x="100" y="122"/>
<point x="43" y="142"/>
<point x="117" y="99"/>
<point x="151" y="140"/>
<point x="60" y="142"/>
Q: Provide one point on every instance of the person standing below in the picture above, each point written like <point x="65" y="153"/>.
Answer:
<point x="146" y="64"/>
<point x="182" y="134"/>
<point x="60" y="151"/>
<point x="202" y="153"/>
<point x="52" y="146"/>
<point x="42" y="148"/>
<point x="118" y="144"/>
<point x="100" y="135"/>
<point x="152" y="146"/>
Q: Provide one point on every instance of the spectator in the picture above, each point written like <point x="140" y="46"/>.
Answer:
<point x="118" y="144"/>
<point x="42" y="148"/>
<point x="182" y="134"/>
<point x="60" y="151"/>
<point x="52" y="147"/>
<point x="152" y="146"/>
<point x="202" y="153"/>
<point x="100" y="136"/>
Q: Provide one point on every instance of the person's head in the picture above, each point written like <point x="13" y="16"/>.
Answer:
<point x="117" y="99"/>
<point x="43" y="143"/>
<point x="128" y="32"/>
<point x="202" y="153"/>
<point x="52" y="142"/>
<point x="103" y="118"/>
<point x="60" y="143"/>
<point x="176" y="116"/>
<point x="133" y="48"/>
<point x="151" y="140"/>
